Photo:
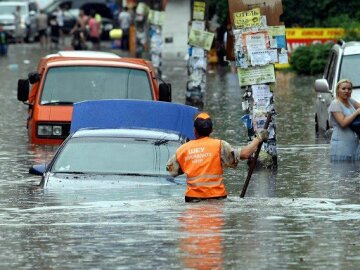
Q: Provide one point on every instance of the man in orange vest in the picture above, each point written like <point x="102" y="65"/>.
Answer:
<point x="203" y="160"/>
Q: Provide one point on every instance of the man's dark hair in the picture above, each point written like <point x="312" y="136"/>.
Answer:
<point x="203" y="124"/>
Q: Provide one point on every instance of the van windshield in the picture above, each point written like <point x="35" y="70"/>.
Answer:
<point x="350" y="69"/>
<point x="66" y="85"/>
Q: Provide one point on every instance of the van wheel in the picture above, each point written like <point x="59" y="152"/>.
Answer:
<point x="316" y="124"/>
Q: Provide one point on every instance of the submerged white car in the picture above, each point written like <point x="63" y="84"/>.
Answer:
<point x="117" y="148"/>
<point x="343" y="63"/>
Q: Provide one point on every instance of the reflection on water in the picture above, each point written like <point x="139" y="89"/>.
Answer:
<point x="304" y="215"/>
<point x="201" y="245"/>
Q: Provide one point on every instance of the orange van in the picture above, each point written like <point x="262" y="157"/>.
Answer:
<point x="67" y="77"/>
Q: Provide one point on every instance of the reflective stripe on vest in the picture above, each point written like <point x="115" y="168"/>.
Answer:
<point x="205" y="184"/>
<point x="210" y="176"/>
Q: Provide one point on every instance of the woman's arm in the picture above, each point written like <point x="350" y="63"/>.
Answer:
<point x="345" y="121"/>
<point x="355" y="103"/>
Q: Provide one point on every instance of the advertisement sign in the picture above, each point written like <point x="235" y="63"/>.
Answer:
<point x="296" y="37"/>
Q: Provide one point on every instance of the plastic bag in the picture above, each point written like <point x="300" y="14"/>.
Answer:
<point x="355" y="126"/>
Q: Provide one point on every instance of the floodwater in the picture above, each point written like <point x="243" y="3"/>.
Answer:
<point x="304" y="215"/>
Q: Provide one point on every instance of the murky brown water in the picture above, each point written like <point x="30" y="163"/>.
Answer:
<point x="305" y="215"/>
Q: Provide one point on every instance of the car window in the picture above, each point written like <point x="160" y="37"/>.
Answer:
<point x="33" y="7"/>
<point x="332" y="69"/>
<point x="350" y="69"/>
<point x="73" y="12"/>
<point x="115" y="156"/>
<point x="54" y="6"/>
<point x="101" y="9"/>
<point x="79" y="83"/>
<point x="327" y="67"/>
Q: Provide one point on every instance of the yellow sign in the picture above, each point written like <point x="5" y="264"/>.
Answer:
<point x="199" y="11"/>
<point x="201" y="39"/>
<point x="247" y="18"/>
<point x="314" y="33"/>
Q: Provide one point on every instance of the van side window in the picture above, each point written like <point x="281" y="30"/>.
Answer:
<point x="327" y="67"/>
<point x="332" y="69"/>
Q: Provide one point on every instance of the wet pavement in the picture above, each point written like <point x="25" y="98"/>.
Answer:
<point x="304" y="215"/>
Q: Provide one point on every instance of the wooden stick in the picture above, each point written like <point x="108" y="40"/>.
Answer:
<point x="253" y="164"/>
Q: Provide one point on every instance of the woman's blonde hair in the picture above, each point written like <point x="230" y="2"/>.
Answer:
<point x="340" y="82"/>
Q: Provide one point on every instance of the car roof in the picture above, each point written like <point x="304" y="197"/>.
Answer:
<point x="84" y="54"/>
<point x="13" y="3"/>
<point x="347" y="48"/>
<point x="352" y="47"/>
<point x="129" y="133"/>
<point x="143" y="114"/>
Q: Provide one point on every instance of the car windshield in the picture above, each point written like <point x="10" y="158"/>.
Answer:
<point x="115" y="156"/>
<point x="6" y="10"/>
<point x="79" y="83"/>
<point x="350" y="69"/>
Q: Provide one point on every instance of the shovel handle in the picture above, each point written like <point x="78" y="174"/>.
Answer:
<point x="253" y="163"/>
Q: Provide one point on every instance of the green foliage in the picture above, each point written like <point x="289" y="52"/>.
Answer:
<point x="304" y="13"/>
<point x="310" y="60"/>
<point x="351" y="26"/>
<point x="220" y="8"/>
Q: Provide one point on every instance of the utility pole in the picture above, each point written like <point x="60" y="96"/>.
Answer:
<point x="156" y="20"/>
<point x="200" y="42"/>
<point x="256" y="43"/>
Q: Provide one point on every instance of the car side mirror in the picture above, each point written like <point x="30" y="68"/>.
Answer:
<point x="34" y="77"/>
<point x="23" y="90"/>
<point x="322" y="86"/>
<point x="37" y="169"/>
<point x="165" y="92"/>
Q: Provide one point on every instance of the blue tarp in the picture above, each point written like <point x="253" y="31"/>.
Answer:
<point x="135" y="114"/>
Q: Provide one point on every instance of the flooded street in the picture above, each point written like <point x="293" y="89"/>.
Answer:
<point x="304" y="215"/>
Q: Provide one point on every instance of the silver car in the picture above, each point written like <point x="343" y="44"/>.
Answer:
<point x="344" y="62"/>
<point x="29" y="12"/>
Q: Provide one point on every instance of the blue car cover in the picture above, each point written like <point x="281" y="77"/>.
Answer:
<point x="127" y="113"/>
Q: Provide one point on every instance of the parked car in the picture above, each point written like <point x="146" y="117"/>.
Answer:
<point x="67" y="77"/>
<point x="71" y="11"/>
<point x="97" y="155"/>
<point x="343" y="62"/>
<point x="29" y="11"/>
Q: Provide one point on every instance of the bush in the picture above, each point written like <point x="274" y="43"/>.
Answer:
<point x="310" y="60"/>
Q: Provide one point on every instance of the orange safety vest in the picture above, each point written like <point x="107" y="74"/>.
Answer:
<point x="200" y="160"/>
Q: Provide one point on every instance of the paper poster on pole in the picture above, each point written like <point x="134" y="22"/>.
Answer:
<point x="249" y="18"/>
<point x="199" y="11"/>
<point x="263" y="57"/>
<point x="283" y="58"/>
<point x="198" y="25"/>
<point x="259" y="123"/>
<point x="256" y="75"/>
<point x="256" y="41"/>
<point x="156" y="17"/>
<point x="142" y="9"/>
<point x="201" y="39"/>
<point x="197" y="52"/>
<point x="240" y="60"/>
<point x="261" y="91"/>
<point x="277" y="36"/>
